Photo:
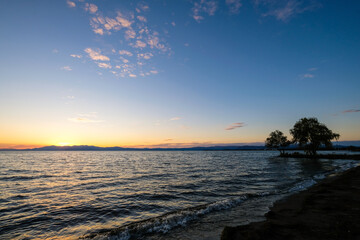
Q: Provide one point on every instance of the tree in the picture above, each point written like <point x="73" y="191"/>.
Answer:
<point x="277" y="140"/>
<point x="311" y="134"/>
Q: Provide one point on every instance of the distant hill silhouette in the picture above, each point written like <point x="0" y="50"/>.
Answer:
<point x="222" y="147"/>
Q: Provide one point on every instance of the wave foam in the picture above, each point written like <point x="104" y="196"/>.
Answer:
<point x="166" y="222"/>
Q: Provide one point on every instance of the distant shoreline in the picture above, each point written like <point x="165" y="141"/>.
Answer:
<point x="209" y="148"/>
<point x="182" y="149"/>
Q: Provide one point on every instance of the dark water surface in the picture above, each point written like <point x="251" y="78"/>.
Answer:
<point x="145" y="195"/>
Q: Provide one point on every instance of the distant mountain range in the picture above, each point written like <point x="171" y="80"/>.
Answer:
<point x="337" y="145"/>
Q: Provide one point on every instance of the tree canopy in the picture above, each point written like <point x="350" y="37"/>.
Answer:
<point x="311" y="134"/>
<point x="277" y="140"/>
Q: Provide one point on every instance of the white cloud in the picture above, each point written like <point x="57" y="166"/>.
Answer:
<point x="235" y="125"/>
<point x="123" y="21"/>
<point x="76" y="56"/>
<point x="66" y="68"/>
<point x="146" y="56"/>
<point x="96" y="55"/>
<point x="131" y="28"/>
<point x="70" y="4"/>
<point x="70" y="97"/>
<point x="110" y="24"/>
<point x="203" y="6"/>
<point x="198" y="18"/>
<point x="92" y="8"/>
<point x="154" y="72"/>
<point x="99" y="31"/>
<point x="130" y="34"/>
<point x="141" y="18"/>
<point x="104" y="65"/>
<point x="139" y="44"/>
<point x="173" y="23"/>
<point x="124" y="52"/>
<point x="132" y="75"/>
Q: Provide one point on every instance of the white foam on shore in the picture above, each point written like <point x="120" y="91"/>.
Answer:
<point x="165" y="223"/>
<point x="302" y="185"/>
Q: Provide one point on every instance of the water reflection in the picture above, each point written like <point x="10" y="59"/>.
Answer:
<point x="62" y="195"/>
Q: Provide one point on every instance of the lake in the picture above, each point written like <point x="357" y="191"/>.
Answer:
<point x="145" y="194"/>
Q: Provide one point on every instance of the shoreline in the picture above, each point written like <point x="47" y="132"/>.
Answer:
<point x="320" y="156"/>
<point x="327" y="210"/>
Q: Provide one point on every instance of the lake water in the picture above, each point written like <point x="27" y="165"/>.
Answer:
<point x="145" y="195"/>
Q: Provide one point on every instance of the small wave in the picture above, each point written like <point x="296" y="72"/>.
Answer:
<point x="23" y="178"/>
<point x="302" y="185"/>
<point x="164" y="223"/>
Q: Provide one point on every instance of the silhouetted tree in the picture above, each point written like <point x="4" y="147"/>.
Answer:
<point x="311" y="134"/>
<point x="278" y="141"/>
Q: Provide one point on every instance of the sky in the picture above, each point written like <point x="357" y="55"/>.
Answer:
<point x="175" y="73"/>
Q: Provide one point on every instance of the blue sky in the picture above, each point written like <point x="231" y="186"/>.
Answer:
<point x="175" y="73"/>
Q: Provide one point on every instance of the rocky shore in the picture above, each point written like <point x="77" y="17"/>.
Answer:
<point x="328" y="210"/>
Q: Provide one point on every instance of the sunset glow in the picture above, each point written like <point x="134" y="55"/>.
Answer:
<point x="175" y="73"/>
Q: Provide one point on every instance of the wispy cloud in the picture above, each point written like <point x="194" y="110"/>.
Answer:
<point x="55" y="51"/>
<point x="70" y="4"/>
<point x="208" y="7"/>
<point x="83" y="120"/>
<point x="312" y="69"/>
<point x="283" y="10"/>
<point x="70" y="97"/>
<point x="66" y="68"/>
<point x="234" y="6"/>
<point x="235" y="125"/>
<point x="96" y="55"/>
<point x="76" y="56"/>
<point x="351" y="111"/>
<point x="307" y="75"/>
<point x="86" y="118"/>
<point x="143" y="7"/>
<point x="175" y="118"/>
<point x="124" y="60"/>
<point x="90" y="114"/>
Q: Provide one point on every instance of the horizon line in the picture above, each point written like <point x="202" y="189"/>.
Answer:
<point x="155" y="146"/>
